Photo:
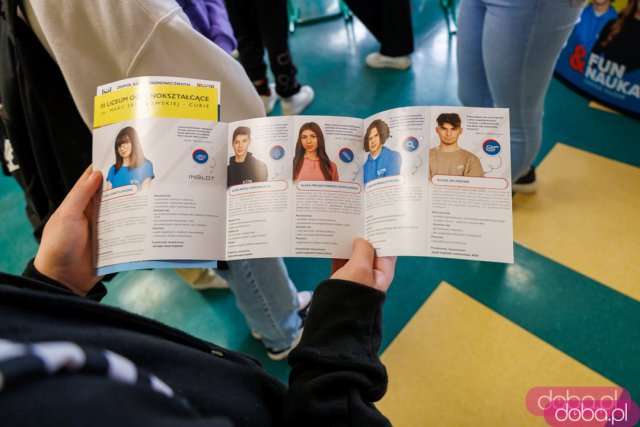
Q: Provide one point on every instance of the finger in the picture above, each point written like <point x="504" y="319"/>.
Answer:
<point x="82" y="192"/>
<point x="85" y="174"/>
<point x="386" y="265"/>
<point x="383" y="272"/>
<point x="88" y="210"/>
<point x="337" y="264"/>
<point x="386" y="262"/>
<point x="363" y="252"/>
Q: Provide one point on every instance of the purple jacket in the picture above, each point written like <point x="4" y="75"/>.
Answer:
<point x="209" y="18"/>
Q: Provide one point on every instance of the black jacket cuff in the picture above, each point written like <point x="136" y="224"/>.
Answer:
<point x="31" y="272"/>
<point x="344" y="322"/>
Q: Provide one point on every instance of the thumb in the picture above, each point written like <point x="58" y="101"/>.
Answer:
<point x="359" y="268"/>
<point x="82" y="192"/>
<point x="363" y="252"/>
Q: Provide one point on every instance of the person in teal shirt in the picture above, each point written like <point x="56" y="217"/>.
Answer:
<point x="131" y="166"/>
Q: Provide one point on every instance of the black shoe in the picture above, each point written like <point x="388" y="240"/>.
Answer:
<point x="527" y="183"/>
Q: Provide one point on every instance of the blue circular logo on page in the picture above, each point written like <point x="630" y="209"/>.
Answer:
<point x="276" y="152"/>
<point x="410" y="144"/>
<point x="200" y="156"/>
<point x="346" y="155"/>
<point x="491" y="147"/>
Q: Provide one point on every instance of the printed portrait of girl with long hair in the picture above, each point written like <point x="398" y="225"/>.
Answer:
<point x="131" y="166"/>
<point x="311" y="162"/>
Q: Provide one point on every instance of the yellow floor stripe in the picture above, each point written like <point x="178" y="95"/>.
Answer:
<point x="458" y="363"/>
<point x="585" y="215"/>
<point x="601" y="107"/>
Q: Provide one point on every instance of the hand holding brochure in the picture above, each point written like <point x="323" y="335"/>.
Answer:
<point x="182" y="188"/>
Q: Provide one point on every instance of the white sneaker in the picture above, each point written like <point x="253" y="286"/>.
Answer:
<point x="304" y="299"/>
<point x="296" y="103"/>
<point x="270" y="101"/>
<point x="378" y="60"/>
<point x="284" y="353"/>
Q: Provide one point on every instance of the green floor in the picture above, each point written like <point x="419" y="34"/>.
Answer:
<point x="588" y="321"/>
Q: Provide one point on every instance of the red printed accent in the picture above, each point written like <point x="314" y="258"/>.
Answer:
<point x="576" y="61"/>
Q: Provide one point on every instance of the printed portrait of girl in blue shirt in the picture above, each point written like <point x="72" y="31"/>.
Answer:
<point x="131" y="166"/>
<point x="381" y="161"/>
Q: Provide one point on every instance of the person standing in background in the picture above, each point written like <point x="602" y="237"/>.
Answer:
<point x="506" y="55"/>
<point x="390" y="23"/>
<point x="260" y="24"/>
<point x="210" y="18"/>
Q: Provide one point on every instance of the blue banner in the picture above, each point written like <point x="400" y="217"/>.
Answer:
<point x="602" y="56"/>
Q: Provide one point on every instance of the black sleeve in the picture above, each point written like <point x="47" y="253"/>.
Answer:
<point x="336" y="372"/>
<point x="46" y="283"/>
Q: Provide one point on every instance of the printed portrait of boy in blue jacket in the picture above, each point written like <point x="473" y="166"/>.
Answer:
<point x="381" y="161"/>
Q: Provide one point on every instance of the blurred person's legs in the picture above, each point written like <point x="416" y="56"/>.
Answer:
<point x="506" y="55"/>
<point x="268" y="299"/>
<point x="260" y="24"/>
<point x="390" y="23"/>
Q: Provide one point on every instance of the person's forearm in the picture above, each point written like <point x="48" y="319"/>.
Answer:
<point x="336" y="372"/>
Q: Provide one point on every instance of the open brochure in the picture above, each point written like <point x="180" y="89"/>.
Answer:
<point x="183" y="189"/>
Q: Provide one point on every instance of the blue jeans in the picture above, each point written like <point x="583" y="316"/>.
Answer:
<point x="507" y="50"/>
<point x="267" y="298"/>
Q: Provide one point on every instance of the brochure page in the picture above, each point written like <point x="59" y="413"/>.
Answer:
<point x="259" y="188"/>
<point x="469" y="215"/>
<point x="395" y="171"/>
<point x="327" y="186"/>
<point x="157" y="143"/>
